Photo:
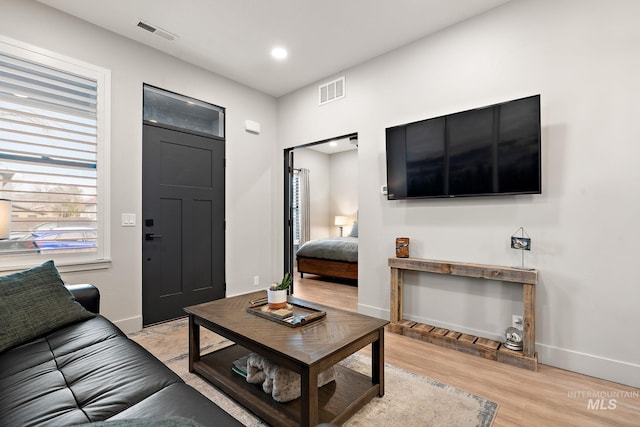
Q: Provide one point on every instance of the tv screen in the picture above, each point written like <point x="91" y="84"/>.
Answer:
<point x="493" y="150"/>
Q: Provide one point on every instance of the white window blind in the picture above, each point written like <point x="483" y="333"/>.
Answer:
<point x="295" y="207"/>
<point x="49" y="156"/>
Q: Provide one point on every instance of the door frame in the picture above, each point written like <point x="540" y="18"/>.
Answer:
<point x="287" y="208"/>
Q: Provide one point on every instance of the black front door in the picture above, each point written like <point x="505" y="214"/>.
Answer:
<point x="183" y="222"/>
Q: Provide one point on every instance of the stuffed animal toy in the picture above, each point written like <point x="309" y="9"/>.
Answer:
<point x="283" y="384"/>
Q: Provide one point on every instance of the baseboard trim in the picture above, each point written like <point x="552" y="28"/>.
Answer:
<point x="617" y="371"/>
<point x="372" y="311"/>
<point x="130" y="325"/>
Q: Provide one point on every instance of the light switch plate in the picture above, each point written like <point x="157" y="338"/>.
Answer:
<point x="128" y="220"/>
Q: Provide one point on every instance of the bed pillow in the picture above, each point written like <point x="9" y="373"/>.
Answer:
<point x="354" y="230"/>
<point x="34" y="302"/>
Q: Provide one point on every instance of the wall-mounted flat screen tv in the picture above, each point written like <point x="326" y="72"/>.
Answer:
<point x="493" y="150"/>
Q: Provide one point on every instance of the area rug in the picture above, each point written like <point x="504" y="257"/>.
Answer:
<point x="409" y="399"/>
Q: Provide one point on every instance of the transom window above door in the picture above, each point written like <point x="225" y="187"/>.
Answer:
<point x="176" y="111"/>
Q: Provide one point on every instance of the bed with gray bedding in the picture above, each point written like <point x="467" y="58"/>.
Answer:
<point x="333" y="257"/>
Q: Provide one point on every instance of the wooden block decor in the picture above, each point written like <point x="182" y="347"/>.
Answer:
<point x="439" y="332"/>
<point x="466" y="338"/>
<point x="517" y="358"/>
<point x="423" y="327"/>
<point x="400" y="327"/>
<point x="407" y="323"/>
<point x="418" y="331"/>
<point x="453" y="335"/>
<point x="487" y="343"/>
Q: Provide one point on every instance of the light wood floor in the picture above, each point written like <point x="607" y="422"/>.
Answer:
<point x="549" y="397"/>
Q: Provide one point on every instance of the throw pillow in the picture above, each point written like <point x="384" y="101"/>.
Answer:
<point x="34" y="302"/>
<point x="354" y="230"/>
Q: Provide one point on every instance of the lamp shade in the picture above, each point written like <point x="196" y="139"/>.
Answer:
<point x="5" y="218"/>
<point x="341" y="220"/>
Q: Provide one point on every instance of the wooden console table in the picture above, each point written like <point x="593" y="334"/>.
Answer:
<point x="489" y="349"/>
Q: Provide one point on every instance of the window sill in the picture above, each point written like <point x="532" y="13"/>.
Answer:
<point x="63" y="267"/>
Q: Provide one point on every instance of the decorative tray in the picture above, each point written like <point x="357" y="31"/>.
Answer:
<point x="293" y="315"/>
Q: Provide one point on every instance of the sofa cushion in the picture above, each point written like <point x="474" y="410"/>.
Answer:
<point x="34" y="302"/>
<point x="144" y="422"/>
<point x="180" y="400"/>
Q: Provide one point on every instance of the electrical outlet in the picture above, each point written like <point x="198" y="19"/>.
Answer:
<point x="517" y="322"/>
<point x="256" y="280"/>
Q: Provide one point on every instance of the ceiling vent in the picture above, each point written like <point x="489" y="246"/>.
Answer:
<point x="157" y="31"/>
<point x="332" y="91"/>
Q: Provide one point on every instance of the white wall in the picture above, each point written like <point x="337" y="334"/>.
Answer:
<point x="582" y="57"/>
<point x="253" y="162"/>
<point x="344" y="188"/>
<point x="333" y="183"/>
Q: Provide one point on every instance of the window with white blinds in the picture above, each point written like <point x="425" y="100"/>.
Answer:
<point x="50" y="137"/>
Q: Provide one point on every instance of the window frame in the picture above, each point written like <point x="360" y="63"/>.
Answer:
<point x="77" y="261"/>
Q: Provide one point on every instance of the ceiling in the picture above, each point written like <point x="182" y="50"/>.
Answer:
<point x="234" y="38"/>
<point x="337" y="145"/>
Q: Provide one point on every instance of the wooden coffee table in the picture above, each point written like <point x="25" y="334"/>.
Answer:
<point x="308" y="350"/>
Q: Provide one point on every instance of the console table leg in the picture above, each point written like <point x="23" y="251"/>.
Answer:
<point x="529" y="320"/>
<point x="396" y="295"/>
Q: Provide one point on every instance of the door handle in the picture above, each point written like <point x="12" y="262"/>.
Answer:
<point x="151" y="236"/>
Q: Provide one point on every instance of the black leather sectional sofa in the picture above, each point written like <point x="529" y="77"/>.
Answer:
<point x="90" y="372"/>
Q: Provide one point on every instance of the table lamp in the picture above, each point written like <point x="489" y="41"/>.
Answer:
<point x="341" y="221"/>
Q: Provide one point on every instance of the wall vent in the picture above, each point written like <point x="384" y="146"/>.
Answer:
<point x="156" y="30"/>
<point x="331" y="91"/>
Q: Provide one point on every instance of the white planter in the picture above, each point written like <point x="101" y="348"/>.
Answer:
<point x="277" y="299"/>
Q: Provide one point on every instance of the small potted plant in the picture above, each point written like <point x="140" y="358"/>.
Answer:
<point x="277" y="293"/>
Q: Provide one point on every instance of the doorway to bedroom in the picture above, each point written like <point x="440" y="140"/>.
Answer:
<point x="321" y="213"/>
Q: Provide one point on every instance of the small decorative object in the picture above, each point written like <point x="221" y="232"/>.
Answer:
<point x="294" y="314"/>
<point x="513" y="339"/>
<point x="522" y="243"/>
<point x="277" y="293"/>
<point x="402" y="247"/>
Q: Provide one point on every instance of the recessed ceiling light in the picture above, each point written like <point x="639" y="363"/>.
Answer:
<point x="279" y="52"/>
<point x="333" y="144"/>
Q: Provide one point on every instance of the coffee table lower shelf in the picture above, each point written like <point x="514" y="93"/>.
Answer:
<point x="337" y="401"/>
